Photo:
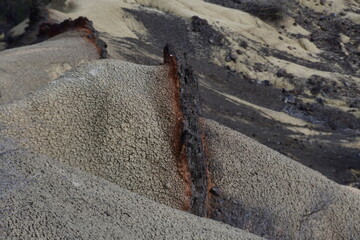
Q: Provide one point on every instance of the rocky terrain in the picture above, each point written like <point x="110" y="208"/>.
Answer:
<point x="178" y="119"/>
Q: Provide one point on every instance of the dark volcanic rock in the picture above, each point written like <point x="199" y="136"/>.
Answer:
<point x="290" y="99"/>
<point x="207" y="32"/>
<point x="49" y="30"/>
<point x="192" y="148"/>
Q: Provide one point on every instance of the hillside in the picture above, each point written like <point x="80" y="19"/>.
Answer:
<point x="127" y="118"/>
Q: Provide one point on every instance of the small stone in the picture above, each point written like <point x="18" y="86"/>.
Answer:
<point x="347" y="84"/>
<point x="215" y="191"/>
<point x="320" y="101"/>
<point x="233" y="57"/>
<point x="265" y="83"/>
<point x="281" y="73"/>
<point x="323" y="2"/>
<point x="266" y="51"/>
<point x="239" y="52"/>
<point x="244" y="44"/>
<point x="290" y="99"/>
<point x="281" y="38"/>
<point x="315" y="90"/>
<point x="228" y="58"/>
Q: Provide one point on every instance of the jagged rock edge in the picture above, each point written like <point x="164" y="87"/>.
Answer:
<point x="49" y="30"/>
<point x="189" y="137"/>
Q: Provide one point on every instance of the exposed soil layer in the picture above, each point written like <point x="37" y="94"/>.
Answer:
<point x="323" y="152"/>
<point x="191" y="144"/>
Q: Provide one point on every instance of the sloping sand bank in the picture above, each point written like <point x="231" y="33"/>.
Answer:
<point x="111" y="118"/>
<point x="42" y="198"/>
<point x="274" y="196"/>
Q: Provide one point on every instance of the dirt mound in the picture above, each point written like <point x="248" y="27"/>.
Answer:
<point x="43" y="198"/>
<point x="266" y="193"/>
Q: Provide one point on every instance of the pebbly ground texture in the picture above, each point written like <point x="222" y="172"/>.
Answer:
<point x="271" y="195"/>
<point x="25" y="69"/>
<point x="114" y="120"/>
<point x="42" y="198"/>
<point x="69" y="148"/>
<point x="111" y="118"/>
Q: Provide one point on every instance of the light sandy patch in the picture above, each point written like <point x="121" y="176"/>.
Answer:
<point x="288" y="23"/>
<point x="2" y="46"/>
<point x="353" y="17"/>
<point x="63" y="5"/>
<point x="307" y="132"/>
<point x="249" y="57"/>
<point x="353" y="144"/>
<point x="344" y="38"/>
<point x="19" y="29"/>
<point x="55" y="70"/>
<point x="301" y="71"/>
<point x="107" y="16"/>
<point x="338" y="103"/>
<point x="355" y="190"/>
<point x="304" y="72"/>
<point x="308" y="46"/>
<point x="57" y="16"/>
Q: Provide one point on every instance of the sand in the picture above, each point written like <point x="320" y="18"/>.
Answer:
<point x="111" y="118"/>
<point x="41" y="198"/>
<point x="292" y="201"/>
